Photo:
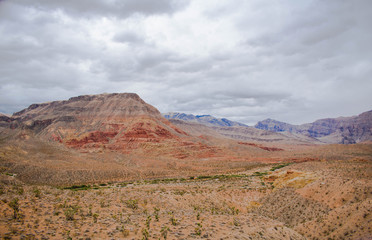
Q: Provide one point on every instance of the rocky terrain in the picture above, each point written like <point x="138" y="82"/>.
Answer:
<point x="345" y="130"/>
<point x="309" y="200"/>
<point x="110" y="166"/>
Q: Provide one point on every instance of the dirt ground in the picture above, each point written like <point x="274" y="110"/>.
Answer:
<point x="309" y="200"/>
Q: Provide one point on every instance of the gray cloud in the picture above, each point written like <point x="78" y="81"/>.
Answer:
<point x="128" y="37"/>
<point x="99" y="8"/>
<point x="243" y="60"/>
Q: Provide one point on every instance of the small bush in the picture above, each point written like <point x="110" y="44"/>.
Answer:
<point x="20" y="190"/>
<point x="125" y="231"/>
<point x="164" y="232"/>
<point x="37" y="192"/>
<point x="156" y="213"/>
<point x="95" y="217"/>
<point x="236" y="222"/>
<point x="148" y="221"/>
<point x="69" y="213"/>
<point x="145" y="234"/>
<point x="132" y="203"/>
<point x="198" y="229"/>
<point x="173" y="221"/>
<point x="14" y="204"/>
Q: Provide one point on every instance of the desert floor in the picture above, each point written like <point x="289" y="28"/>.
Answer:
<point x="308" y="200"/>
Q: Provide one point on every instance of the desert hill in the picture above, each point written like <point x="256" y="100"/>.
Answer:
<point x="343" y="130"/>
<point x="114" y="121"/>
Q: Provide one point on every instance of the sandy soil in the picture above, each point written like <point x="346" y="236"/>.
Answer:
<point x="309" y="200"/>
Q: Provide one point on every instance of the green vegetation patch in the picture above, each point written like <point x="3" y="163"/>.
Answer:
<point x="279" y="166"/>
<point x="79" y="187"/>
<point x="259" y="174"/>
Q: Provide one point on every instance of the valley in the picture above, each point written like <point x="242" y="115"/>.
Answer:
<point x="110" y="166"/>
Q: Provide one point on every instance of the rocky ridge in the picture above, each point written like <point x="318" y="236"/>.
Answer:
<point x="345" y="130"/>
<point x="207" y="120"/>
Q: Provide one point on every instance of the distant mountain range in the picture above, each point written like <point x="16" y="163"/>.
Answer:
<point x="345" y="130"/>
<point x="203" y="119"/>
<point x="104" y="120"/>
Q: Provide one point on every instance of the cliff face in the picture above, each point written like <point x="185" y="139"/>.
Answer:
<point x="344" y="130"/>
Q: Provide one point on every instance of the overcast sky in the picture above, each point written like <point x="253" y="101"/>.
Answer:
<point x="294" y="61"/>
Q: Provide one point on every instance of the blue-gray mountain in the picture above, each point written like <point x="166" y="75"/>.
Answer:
<point x="203" y="119"/>
<point x="344" y="130"/>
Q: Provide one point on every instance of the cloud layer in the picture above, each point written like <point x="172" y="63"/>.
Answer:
<point x="243" y="60"/>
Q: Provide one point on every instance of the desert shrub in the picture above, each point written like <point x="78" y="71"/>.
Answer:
<point x="14" y="204"/>
<point x="132" y="203"/>
<point x="103" y="203"/>
<point x="164" y="232"/>
<point x="180" y="192"/>
<point x="124" y="231"/>
<point x="95" y="217"/>
<point x="233" y="210"/>
<point x="198" y="229"/>
<point x="156" y="213"/>
<point x="90" y="213"/>
<point x="37" y="192"/>
<point x="19" y="190"/>
<point x="148" y="221"/>
<point x="70" y="212"/>
<point x="173" y="221"/>
<point x="145" y="234"/>
<point x="236" y="222"/>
